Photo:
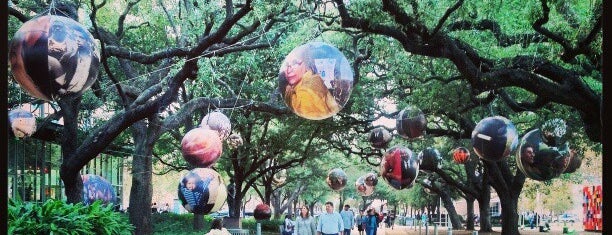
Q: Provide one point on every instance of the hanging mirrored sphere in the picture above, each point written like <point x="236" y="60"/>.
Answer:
<point x="262" y="212"/>
<point x="234" y="140"/>
<point x="411" y="122"/>
<point x="399" y="167"/>
<point x="97" y="188"/>
<point x="430" y="158"/>
<point x="218" y="122"/>
<point x="53" y="56"/>
<point x="362" y="188"/>
<point x="380" y="137"/>
<point x="23" y="123"/>
<point x="461" y="155"/>
<point x="336" y="179"/>
<point x="202" y="191"/>
<point x="371" y="179"/>
<point x="201" y="147"/>
<point x="575" y="162"/>
<point x="540" y="161"/>
<point x="279" y="178"/>
<point x="494" y="138"/>
<point x="315" y="80"/>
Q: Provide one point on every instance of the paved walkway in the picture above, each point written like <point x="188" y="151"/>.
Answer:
<point x="409" y="230"/>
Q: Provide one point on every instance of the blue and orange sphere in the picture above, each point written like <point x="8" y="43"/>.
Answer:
<point x="202" y="191"/>
<point x="97" y="188"/>
<point x="54" y="56"/>
<point x="399" y="167"/>
<point x="494" y="138"/>
<point x="315" y="80"/>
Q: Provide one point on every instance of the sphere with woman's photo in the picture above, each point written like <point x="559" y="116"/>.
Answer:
<point x="202" y="191"/>
<point x="97" y="188"/>
<point x="540" y="161"/>
<point x="53" y="56"/>
<point x="315" y="80"/>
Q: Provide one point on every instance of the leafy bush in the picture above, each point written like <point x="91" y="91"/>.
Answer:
<point x="266" y="225"/>
<point x="57" y="217"/>
<point x="170" y="223"/>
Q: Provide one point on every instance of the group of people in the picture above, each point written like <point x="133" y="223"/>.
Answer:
<point x="334" y="223"/>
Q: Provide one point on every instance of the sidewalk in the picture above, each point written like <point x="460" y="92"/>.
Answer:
<point x="409" y="230"/>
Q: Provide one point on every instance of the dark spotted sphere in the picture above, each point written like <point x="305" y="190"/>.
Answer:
<point x="494" y="138"/>
<point x="97" y="188"/>
<point x="202" y="191"/>
<point x="336" y="179"/>
<point x="380" y="137"/>
<point x="399" y="167"/>
<point x="411" y="123"/>
<point x="430" y="159"/>
<point x="540" y="161"/>
<point x="262" y="212"/>
<point x="54" y="56"/>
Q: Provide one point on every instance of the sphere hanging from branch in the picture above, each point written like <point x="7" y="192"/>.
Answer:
<point x="336" y="179"/>
<point x="399" y="167"/>
<point x="201" y="147"/>
<point x="380" y="137"/>
<point x="494" y="138"/>
<point x="540" y="161"/>
<point x="411" y="123"/>
<point x="461" y="155"/>
<point x="202" y="191"/>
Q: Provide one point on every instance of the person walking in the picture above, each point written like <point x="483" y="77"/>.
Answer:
<point x="216" y="228"/>
<point x="371" y="222"/>
<point x="330" y="222"/>
<point x="289" y="225"/>
<point x="348" y="219"/>
<point x="360" y="221"/>
<point x="305" y="223"/>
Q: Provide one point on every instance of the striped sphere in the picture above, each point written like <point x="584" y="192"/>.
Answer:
<point x="461" y="155"/>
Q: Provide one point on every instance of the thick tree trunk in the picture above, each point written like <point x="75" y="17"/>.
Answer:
<point x="234" y="205"/>
<point x="450" y="208"/>
<point x="70" y="176"/>
<point x="142" y="190"/>
<point x="483" y="209"/>
<point x="198" y="222"/>
<point x="509" y="215"/>
<point x="469" y="223"/>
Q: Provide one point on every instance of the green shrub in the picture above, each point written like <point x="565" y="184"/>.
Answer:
<point x="57" y="217"/>
<point x="170" y="223"/>
<point x="266" y="225"/>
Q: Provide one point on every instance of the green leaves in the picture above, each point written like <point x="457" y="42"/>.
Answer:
<point x="57" y="217"/>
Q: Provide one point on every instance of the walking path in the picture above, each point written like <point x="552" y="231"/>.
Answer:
<point x="409" y="230"/>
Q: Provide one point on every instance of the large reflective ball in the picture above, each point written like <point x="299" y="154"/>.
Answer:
<point x="430" y="158"/>
<point x="461" y="155"/>
<point x="540" y="161"/>
<point x="336" y="179"/>
<point x="218" y="122"/>
<point x="380" y="137"/>
<point x="362" y="188"/>
<point x="494" y="138"/>
<point x="279" y="178"/>
<point x="23" y="123"/>
<point x="201" y="147"/>
<point x="97" y="188"/>
<point x="411" y="122"/>
<point x="234" y="140"/>
<point x="575" y="162"/>
<point x="371" y="179"/>
<point x="315" y="80"/>
<point x="202" y="191"/>
<point x="399" y="167"/>
<point x="53" y="56"/>
<point x="553" y="132"/>
<point x="262" y="212"/>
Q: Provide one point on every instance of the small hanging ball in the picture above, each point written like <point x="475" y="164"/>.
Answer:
<point x="399" y="167"/>
<point x="54" y="56"/>
<point x="461" y="155"/>
<point x="362" y="188"/>
<point x="371" y="179"/>
<point x="279" y="178"/>
<point x="494" y="138"/>
<point x="202" y="191"/>
<point x="430" y="159"/>
<point x="97" y="188"/>
<point x="218" y="122"/>
<point x="234" y="140"/>
<point x="262" y="212"/>
<point x="315" y="80"/>
<point x="23" y="123"/>
<point x="540" y="161"/>
<point x="380" y="137"/>
<point x="411" y="123"/>
<point x="336" y="179"/>
<point x="201" y="147"/>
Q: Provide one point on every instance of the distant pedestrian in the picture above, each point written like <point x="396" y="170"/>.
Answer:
<point x="289" y="225"/>
<point x="371" y="222"/>
<point x="348" y="219"/>
<point x="360" y="221"/>
<point x="330" y="222"/>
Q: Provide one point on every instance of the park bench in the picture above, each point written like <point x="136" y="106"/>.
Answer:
<point x="239" y="231"/>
